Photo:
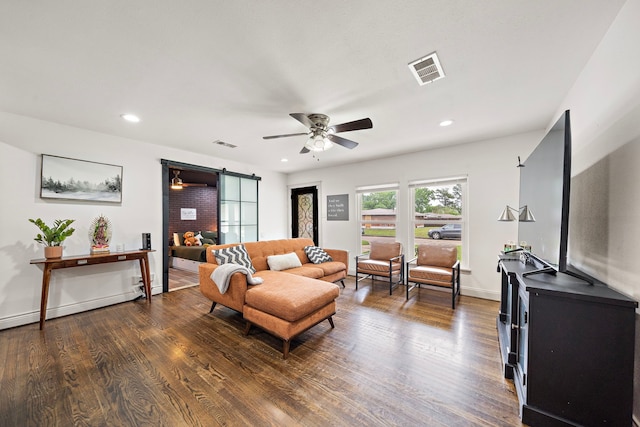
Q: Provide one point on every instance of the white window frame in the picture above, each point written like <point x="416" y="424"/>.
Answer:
<point x="464" y="221"/>
<point x="373" y="189"/>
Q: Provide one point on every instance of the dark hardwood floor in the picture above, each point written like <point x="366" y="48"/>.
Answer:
<point x="180" y="279"/>
<point x="171" y="363"/>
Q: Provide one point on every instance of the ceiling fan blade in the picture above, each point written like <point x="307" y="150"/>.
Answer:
<point x="347" y="143"/>
<point x="303" y="118"/>
<point x="285" y="135"/>
<point x="354" y="125"/>
<point x="304" y="150"/>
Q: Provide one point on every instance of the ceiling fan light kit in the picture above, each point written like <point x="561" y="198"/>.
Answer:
<point x="176" y="182"/>
<point x="322" y="136"/>
<point x="318" y="142"/>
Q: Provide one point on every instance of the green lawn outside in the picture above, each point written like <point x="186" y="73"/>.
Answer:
<point x="420" y="232"/>
<point x="379" y="232"/>
<point x="382" y="232"/>
<point x="415" y="249"/>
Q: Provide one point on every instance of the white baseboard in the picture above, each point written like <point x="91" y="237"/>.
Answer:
<point x="185" y="264"/>
<point x="481" y="293"/>
<point x="65" y="310"/>
<point x="470" y="292"/>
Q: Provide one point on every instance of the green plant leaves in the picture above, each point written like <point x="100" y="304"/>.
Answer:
<point x="53" y="236"/>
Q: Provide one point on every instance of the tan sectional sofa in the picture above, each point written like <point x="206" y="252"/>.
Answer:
<point x="288" y="302"/>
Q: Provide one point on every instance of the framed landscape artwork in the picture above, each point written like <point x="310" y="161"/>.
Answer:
<point x="72" y="179"/>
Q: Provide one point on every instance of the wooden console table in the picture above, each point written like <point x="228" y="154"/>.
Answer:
<point x="80" y="260"/>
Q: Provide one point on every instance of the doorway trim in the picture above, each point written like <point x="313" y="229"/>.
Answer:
<point x="166" y="165"/>
<point x="295" y="192"/>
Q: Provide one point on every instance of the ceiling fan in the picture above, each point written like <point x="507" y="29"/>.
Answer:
<point x="177" y="183"/>
<point x="321" y="135"/>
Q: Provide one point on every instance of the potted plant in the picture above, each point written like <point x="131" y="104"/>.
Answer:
<point x="52" y="237"/>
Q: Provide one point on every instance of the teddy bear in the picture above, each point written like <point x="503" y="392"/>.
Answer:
<point x="190" y="239"/>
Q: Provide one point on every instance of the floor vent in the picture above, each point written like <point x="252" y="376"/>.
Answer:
<point x="427" y="69"/>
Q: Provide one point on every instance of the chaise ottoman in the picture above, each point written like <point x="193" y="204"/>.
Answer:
<point x="288" y="305"/>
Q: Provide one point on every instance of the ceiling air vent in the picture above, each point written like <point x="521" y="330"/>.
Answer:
<point x="224" y="144"/>
<point x="427" y="69"/>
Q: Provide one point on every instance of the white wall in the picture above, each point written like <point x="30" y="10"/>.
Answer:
<point x="493" y="182"/>
<point x="22" y="141"/>
<point x="605" y="122"/>
<point x="604" y="223"/>
<point x="604" y="226"/>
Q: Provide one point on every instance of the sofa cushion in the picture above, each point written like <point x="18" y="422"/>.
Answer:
<point x="437" y="256"/>
<point x="317" y="255"/>
<point x="291" y="297"/>
<point x="234" y="254"/>
<point x="384" y="251"/>
<point x="211" y="235"/>
<point x="327" y="268"/>
<point x="285" y="329"/>
<point x="435" y="275"/>
<point x="178" y="240"/>
<point x="376" y="267"/>
<point x="307" y="270"/>
<point x="283" y="262"/>
<point x="259" y="251"/>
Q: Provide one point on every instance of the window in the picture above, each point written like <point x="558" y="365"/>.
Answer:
<point x="238" y="209"/>
<point x="376" y="214"/>
<point x="440" y="214"/>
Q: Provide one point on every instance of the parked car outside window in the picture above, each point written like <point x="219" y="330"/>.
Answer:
<point x="448" y="231"/>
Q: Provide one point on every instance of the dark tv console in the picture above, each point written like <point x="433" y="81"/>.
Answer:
<point x="541" y="266"/>
<point x="568" y="346"/>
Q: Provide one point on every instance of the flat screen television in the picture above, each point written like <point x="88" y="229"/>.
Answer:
<point x="545" y="180"/>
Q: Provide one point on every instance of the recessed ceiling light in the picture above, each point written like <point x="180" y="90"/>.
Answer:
<point x="130" y="118"/>
<point x="446" y="123"/>
<point x="283" y="160"/>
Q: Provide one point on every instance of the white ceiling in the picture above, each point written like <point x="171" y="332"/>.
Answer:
<point x="197" y="71"/>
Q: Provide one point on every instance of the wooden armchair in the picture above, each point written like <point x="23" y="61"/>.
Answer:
<point x="385" y="260"/>
<point x="437" y="266"/>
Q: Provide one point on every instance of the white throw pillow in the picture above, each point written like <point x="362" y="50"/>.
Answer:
<point x="283" y="262"/>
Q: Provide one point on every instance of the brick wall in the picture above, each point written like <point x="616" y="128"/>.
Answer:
<point x="203" y="199"/>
